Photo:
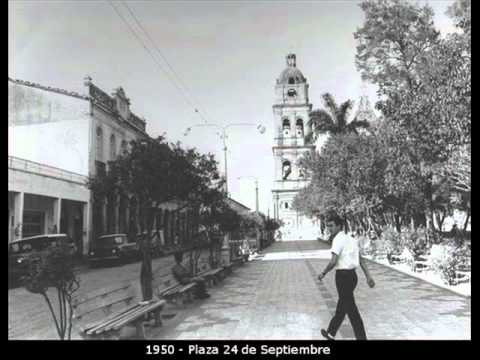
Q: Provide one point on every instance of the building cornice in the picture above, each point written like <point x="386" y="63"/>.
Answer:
<point x="311" y="147"/>
<point x="285" y="190"/>
<point x="49" y="88"/>
<point x="98" y="98"/>
<point x="280" y="106"/>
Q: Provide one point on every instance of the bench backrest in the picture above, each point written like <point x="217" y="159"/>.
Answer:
<point x="103" y="301"/>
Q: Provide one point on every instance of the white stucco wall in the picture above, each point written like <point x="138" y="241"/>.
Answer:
<point x="48" y="128"/>
<point x="62" y="144"/>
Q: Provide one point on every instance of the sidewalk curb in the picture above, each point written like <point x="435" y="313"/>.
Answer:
<point x="419" y="278"/>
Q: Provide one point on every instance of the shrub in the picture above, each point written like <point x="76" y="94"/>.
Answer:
<point x="445" y="261"/>
<point x="54" y="269"/>
<point x="392" y="242"/>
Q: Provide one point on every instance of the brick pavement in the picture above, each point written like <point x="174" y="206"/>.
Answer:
<point x="29" y="316"/>
<point x="280" y="299"/>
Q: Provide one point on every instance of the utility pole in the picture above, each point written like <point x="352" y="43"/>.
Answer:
<point x="223" y="136"/>
<point x="256" y="195"/>
<point x="256" y="189"/>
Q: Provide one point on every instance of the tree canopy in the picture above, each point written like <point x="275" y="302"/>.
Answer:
<point x="416" y="160"/>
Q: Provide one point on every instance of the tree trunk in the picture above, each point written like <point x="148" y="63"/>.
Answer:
<point x="45" y="296"/>
<point x="466" y="221"/>
<point x="146" y="275"/>
<point x="398" y="223"/>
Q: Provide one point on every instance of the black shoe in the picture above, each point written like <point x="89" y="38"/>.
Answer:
<point x="204" y="296"/>
<point x="326" y="335"/>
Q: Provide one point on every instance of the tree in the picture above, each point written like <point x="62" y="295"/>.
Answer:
<point x="334" y="119"/>
<point x="424" y="84"/>
<point x="154" y="172"/>
<point x="461" y="13"/>
<point x="392" y="43"/>
<point x="55" y="269"/>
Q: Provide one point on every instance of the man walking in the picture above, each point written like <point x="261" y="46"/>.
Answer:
<point x="345" y="259"/>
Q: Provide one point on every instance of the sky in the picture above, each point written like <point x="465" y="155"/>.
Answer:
<point x="226" y="57"/>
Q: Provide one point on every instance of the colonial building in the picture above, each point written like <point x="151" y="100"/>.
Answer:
<point x="57" y="139"/>
<point x="291" y="114"/>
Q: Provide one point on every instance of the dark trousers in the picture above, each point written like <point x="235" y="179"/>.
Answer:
<point x="346" y="281"/>
<point x="201" y="287"/>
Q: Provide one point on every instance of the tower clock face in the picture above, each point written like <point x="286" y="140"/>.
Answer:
<point x="292" y="92"/>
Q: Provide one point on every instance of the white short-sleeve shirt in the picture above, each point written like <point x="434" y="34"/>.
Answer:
<point x="348" y="251"/>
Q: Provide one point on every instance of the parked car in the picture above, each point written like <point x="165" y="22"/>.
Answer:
<point x="113" y="247"/>
<point x="20" y="251"/>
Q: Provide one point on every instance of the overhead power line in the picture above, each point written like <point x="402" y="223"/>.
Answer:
<point x="177" y="76"/>
<point x="145" y="46"/>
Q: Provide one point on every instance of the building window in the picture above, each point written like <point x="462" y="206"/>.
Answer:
<point x="299" y="128"/>
<point x="100" y="168"/>
<point x="286" y="169"/>
<point x="33" y="223"/>
<point x="286" y="205"/>
<point x="123" y="146"/>
<point x="286" y="127"/>
<point x="291" y="80"/>
<point x="113" y="147"/>
<point x="99" y="149"/>
<point x="291" y="93"/>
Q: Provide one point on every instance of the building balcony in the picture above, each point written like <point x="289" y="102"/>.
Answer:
<point x="45" y="170"/>
<point x="286" y="185"/>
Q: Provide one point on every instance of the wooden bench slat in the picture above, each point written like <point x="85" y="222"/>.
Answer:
<point x="104" y="304"/>
<point x="147" y="308"/>
<point x="169" y="289"/>
<point x="103" y="323"/>
<point x="102" y="292"/>
<point x="126" y="316"/>
<point x="103" y="299"/>
<point x="187" y="287"/>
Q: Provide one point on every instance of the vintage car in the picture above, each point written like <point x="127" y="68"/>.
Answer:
<point x="113" y="247"/>
<point x="19" y="252"/>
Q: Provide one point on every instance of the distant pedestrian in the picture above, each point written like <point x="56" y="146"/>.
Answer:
<point x="345" y="259"/>
<point x="456" y="235"/>
<point x="245" y="250"/>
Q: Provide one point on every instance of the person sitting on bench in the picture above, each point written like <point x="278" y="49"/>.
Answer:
<point x="183" y="276"/>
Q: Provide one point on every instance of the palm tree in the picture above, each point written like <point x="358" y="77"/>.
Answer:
<point x="333" y="119"/>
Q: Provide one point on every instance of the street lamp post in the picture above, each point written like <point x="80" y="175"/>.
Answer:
<point x="223" y="136"/>
<point x="256" y="189"/>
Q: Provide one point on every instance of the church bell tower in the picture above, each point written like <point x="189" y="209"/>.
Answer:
<point x="291" y="114"/>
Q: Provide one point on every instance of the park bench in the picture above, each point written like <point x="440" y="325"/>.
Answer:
<point x="237" y="261"/>
<point x="103" y="313"/>
<point x="422" y="263"/>
<point x="167" y="287"/>
<point x="463" y="270"/>
<point x="462" y="277"/>
<point x="211" y="275"/>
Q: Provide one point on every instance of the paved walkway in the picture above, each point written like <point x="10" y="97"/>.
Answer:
<point x="280" y="298"/>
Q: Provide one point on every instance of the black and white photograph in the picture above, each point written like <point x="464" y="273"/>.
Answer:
<point x="239" y="171"/>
